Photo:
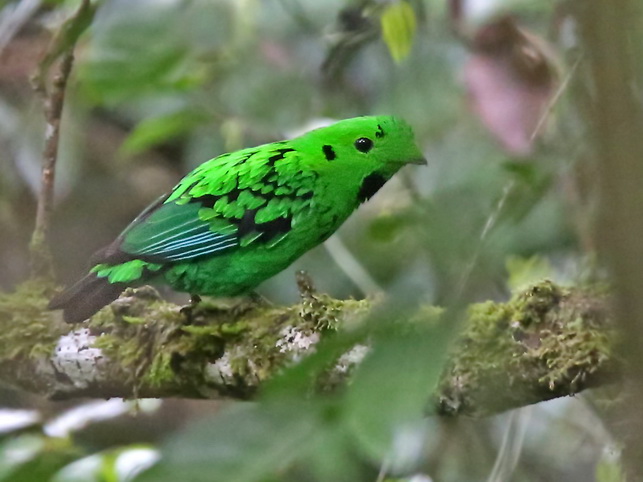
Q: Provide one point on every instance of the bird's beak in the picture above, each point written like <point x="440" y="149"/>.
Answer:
<point x="420" y="161"/>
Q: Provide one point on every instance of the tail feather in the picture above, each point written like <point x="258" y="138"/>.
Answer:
<point x="86" y="297"/>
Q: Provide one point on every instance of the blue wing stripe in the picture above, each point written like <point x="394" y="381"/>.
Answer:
<point x="200" y="240"/>
<point x="180" y="229"/>
<point x="173" y="232"/>
<point x="200" y="251"/>
<point x="164" y="244"/>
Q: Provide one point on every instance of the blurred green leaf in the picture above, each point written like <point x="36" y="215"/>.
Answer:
<point x="392" y="387"/>
<point x="609" y="471"/>
<point x="157" y="130"/>
<point x="246" y="442"/>
<point x="300" y="380"/>
<point x="398" y="28"/>
<point x="31" y="458"/>
<point x="332" y="455"/>
<point x="524" y="272"/>
<point x="389" y="224"/>
<point x="532" y="183"/>
<point x="120" y="464"/>
<point x="137" y="47"/>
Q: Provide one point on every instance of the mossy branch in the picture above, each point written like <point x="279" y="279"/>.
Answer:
<point x="544" y="343"/>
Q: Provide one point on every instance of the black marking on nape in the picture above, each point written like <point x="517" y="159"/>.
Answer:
<point x="370" y="185"/>
<point x="268" y="230"/>
<point x="329" y="152"/>
<point x="380" y="132"/>
<point x="281" y="154"/>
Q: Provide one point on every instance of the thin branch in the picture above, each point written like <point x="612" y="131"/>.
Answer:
<point x="555" y="98"/>
<point x="40" y="256"/>
<point x="62" y="47"/>
<point x="490" y="223"/>
<point x="351" y="266"/>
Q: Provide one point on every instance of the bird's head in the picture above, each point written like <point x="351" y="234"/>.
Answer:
<point x="362" y="145"/>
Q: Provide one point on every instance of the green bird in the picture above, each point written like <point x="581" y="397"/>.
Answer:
<point x="242" y="217"/>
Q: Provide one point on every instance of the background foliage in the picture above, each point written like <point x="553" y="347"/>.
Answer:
<point x="495" y="93"/>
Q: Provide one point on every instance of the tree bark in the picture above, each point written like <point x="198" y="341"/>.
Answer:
<point x="544" y="343"/>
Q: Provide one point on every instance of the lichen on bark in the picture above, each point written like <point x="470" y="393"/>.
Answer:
<point x="545" y="342"/>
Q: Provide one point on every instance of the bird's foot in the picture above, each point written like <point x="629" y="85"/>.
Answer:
<point x="258" y="299"/>
<point x="251" y="301"/>
<point x="189" y="310"/>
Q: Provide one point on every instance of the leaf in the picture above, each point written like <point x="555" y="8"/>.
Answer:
<point x="246" y="442"/>
<point x="28" y="458"/>
<point x="300" y="379"/>
<point x="524" y="272"/>
<point x="391" y="390"/>
<point x="120" y="464"/>
<point x="609" y="471"/>
<point x="137" y="48"/>
<point x="331" y="455"/>
<point x="398" y="28"/>
<point x="157" y="130"/>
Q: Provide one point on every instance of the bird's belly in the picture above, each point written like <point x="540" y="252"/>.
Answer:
<point x="240" y="271"/>
<point x="231" y="274"/>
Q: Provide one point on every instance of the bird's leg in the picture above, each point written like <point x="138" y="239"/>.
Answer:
<point x="249" y="302"/>
<point x="188" y="310"/>
<point x="259" y="299"/>
<point x="194" y="299"/>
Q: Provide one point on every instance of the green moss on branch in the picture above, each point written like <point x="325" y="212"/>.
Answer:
<point x="543" y="343"/>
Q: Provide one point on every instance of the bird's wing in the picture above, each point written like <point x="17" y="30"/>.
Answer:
<point x="175" y="232"/>
<point x="226" y="203"/>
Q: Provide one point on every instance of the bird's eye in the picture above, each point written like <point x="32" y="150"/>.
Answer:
<point x="363" y="144"/>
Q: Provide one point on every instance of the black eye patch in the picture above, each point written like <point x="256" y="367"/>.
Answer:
<point x="363" y="144"/>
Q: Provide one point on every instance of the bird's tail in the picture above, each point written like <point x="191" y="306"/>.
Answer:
<point x="85" y="297"/>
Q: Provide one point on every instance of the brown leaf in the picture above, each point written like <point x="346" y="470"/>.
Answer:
<point x="510" y="79"/>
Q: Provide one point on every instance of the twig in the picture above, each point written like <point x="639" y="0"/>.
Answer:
<point x="493" y="217"/>
<point x="351" y="266"/>
<point x="62" y="47"/>
<point x="512" y="445"/>
<point x="554" y="100"/>
<point x="40" y="255"/>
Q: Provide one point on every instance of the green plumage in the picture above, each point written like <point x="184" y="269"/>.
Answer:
<point x="242" y="217"/>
